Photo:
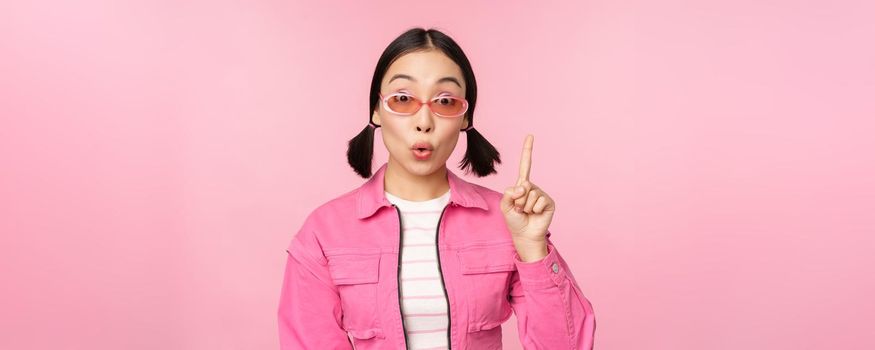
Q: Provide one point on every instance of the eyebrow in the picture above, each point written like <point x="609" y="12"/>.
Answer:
<point x="441" y="80"/>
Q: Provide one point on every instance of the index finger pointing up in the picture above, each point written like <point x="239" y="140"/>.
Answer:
<point x="526" y="159"/>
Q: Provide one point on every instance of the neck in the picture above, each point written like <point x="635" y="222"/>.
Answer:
<point x="414" y="187"/>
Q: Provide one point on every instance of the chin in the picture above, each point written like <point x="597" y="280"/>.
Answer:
<point x="423" y="168"/>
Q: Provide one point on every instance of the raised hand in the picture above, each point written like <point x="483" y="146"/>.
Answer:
<point x="528" y="210"/>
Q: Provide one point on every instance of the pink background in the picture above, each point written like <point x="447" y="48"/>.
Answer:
<point x="712" y="161"/>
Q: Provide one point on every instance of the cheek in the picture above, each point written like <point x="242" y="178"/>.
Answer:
<point x="449" y="140"/>
<point x="392" y="133"/>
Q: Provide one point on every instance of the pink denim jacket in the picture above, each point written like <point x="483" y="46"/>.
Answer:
<point x="340" y="288"/>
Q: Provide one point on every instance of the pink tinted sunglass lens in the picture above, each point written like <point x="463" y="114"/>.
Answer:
<point x="402" y="104"/>
<point x="448" y="106"/>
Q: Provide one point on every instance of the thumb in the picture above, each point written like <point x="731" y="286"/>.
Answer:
<point x="510" y="195"/>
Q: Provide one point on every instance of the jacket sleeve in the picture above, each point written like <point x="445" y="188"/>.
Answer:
<point x="309" y="307"/>
<point x="552" y="312"/>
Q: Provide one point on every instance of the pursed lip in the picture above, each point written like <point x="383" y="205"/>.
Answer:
<point x="422" y="145"/>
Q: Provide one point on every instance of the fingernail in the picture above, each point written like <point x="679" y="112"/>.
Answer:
<point x="518" y="209"/>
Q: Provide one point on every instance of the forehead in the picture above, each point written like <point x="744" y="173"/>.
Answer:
<point x="427" y="68"/>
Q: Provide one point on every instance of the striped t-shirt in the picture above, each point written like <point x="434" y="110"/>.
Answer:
<point x="423" y="304"/>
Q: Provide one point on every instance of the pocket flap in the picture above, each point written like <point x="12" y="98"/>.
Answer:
<point x="487" y="259"/>
<point x="354" y="268"/>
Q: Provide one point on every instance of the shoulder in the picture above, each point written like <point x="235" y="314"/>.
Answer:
<point x="326" y="214"/>
<point x="487" y="193"/>
<point x="341" y="205"/>
<point x="490" y="196"/>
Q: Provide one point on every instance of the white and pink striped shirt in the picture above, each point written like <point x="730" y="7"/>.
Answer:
<point x="423" y="304"/>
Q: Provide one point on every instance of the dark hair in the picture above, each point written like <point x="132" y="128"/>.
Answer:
<point x="480" y="156"/>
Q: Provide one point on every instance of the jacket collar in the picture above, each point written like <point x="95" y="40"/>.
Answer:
<point x="371" y="196"/>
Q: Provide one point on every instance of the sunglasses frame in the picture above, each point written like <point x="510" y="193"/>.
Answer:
<point x="385" y="103"/>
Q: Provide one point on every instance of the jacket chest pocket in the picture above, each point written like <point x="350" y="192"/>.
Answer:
<point x="356" y="276"/>
<point x="486" y="272"/>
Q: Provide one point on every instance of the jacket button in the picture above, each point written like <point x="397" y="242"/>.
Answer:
<point x="555" y="268"/>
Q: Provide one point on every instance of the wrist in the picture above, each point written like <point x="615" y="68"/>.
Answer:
<point x="531" y="250"/>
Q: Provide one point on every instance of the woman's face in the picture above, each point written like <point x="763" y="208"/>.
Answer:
<point x="424" y="74"/>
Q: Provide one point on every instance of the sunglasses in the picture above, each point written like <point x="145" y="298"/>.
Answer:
<point x="447" y="106"/>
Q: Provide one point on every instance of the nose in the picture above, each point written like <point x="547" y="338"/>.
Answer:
<point x="424" y="121"/>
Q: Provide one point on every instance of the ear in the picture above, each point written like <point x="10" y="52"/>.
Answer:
<point x="465" y="122"/>
<point x="376" y="118"/>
